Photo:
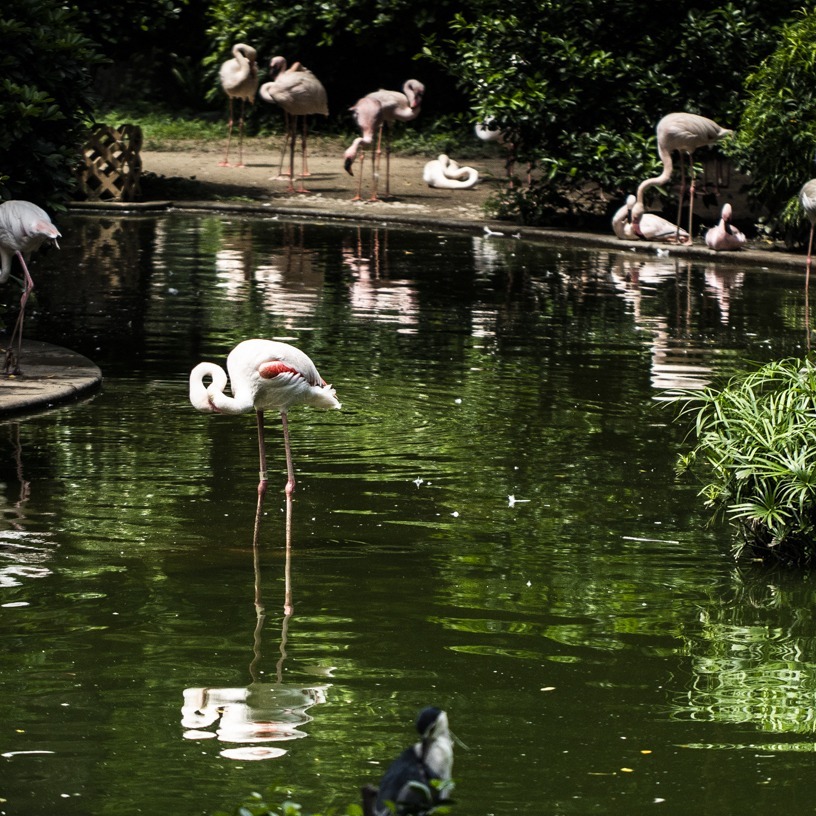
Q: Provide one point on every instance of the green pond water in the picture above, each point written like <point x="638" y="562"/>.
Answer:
<point x="492" y="524"/>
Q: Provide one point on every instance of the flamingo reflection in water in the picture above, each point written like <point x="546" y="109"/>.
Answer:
<point x="262" y="712"/>
<point x="372" y="292"/>
<point x="677" y="362"/>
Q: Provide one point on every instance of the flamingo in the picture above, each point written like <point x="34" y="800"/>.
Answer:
<point x="300" y="93"/>
<point x="644" y="226"/>
<point x="807" y="198"/>
<point x="24" y="227"/>
<point x="239" y="78"/>
<point x="415" y="781"/>
<point x="622" y="220"/>
<point x="444" y="173"/>
<point x="725" y="236"/>
<point x="263" y="374"/>
<point x="653" y="227"/>
<point x="372" y="112"/>
<point x="684" y="132"/>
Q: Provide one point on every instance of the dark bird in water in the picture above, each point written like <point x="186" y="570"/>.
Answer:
<point x="419" y="779"/>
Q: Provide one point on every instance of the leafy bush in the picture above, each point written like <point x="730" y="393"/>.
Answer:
<point x="579" y="85"/>
<point x="256" y="805"/>
<point x="776" y="139"/>
<point x="756" y="446"/>
<point x="45" y="101"/>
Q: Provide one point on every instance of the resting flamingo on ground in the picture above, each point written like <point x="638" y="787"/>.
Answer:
<point x="372" y="112"/>
<point x="646" y="226"/>
<point x="444" y="173"/>
<point x="653" y="227"/>
<point x="684" y="132"/>
<point x="300" y="93"/>
<point x="24" y="227"/>
<point x="263" y="375"/>
<point x="622" y="220"/>
<point x="725" y="236"/>
<point x="239" y="79"/>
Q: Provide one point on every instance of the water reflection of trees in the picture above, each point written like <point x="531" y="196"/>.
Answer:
<point x="751" y="657"/>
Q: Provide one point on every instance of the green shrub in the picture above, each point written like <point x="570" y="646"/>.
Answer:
<point x="776" y="139"/>
<point x="756" y="450"/>
<point x="44" y="100"/>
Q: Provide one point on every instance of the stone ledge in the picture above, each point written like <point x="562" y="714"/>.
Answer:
<point x="51" y="376"/>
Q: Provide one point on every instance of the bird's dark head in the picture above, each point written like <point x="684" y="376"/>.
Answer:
<point x="427" y="719"/>
<point x="414" y="90"/>
<point x="276" y="66"/>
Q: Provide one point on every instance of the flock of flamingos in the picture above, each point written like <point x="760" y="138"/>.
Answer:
<point x="300" y="93"/>
<point x="268" y="375"/>
<point x="265" y="375"/>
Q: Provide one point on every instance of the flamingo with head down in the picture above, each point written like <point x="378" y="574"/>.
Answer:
<point x="683" y="132"/>
<point x="373" y="112"/>
<point x="263" y="375"/>
<point x="24" y="227"/>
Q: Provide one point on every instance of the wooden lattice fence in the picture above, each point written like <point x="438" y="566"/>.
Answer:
<point x="111" y="163"/>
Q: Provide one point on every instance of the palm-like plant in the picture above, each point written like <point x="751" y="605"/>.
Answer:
<point x="756" y="450"/>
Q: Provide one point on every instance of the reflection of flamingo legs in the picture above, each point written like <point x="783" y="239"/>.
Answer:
<point x="288" y="606"/>
<point x="260" y="611"/>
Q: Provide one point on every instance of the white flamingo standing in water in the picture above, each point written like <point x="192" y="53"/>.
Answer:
<point x="239" y="79"/>
<point x="684" y="132"/>
<point x="263" y="375"/>
<point x="725" y="236"/>
<point x="300" y="93"/>
<point x="372" y="112"/>
<point x="24" y="227"/>
<point x="807" y="198"/>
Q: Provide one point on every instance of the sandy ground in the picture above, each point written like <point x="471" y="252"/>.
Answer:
<point x="193" y="173"/>
<point x="189" y="174"/>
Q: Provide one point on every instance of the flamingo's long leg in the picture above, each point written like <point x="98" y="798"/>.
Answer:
<point x="261" y="454"/>
<point x="12" y="362"/>
<point x="290" y="468"/>
<point x="225" y="161"/>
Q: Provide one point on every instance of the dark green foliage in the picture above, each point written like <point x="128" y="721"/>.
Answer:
<point x="756" y="449"/>
<point x="579" y="85"/>
<point x="45" y="102"/>
<point x="776" y="140"/>
<point x="354" y="48"/>
<point x="152" y="49"/>
<point x="255" y="804"/>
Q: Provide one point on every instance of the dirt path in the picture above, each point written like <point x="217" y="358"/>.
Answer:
<point x="193" y="173"/>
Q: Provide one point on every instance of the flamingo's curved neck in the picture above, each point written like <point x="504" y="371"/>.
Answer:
<point x="211" y="398"/>
<point x="657" y="181"/>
